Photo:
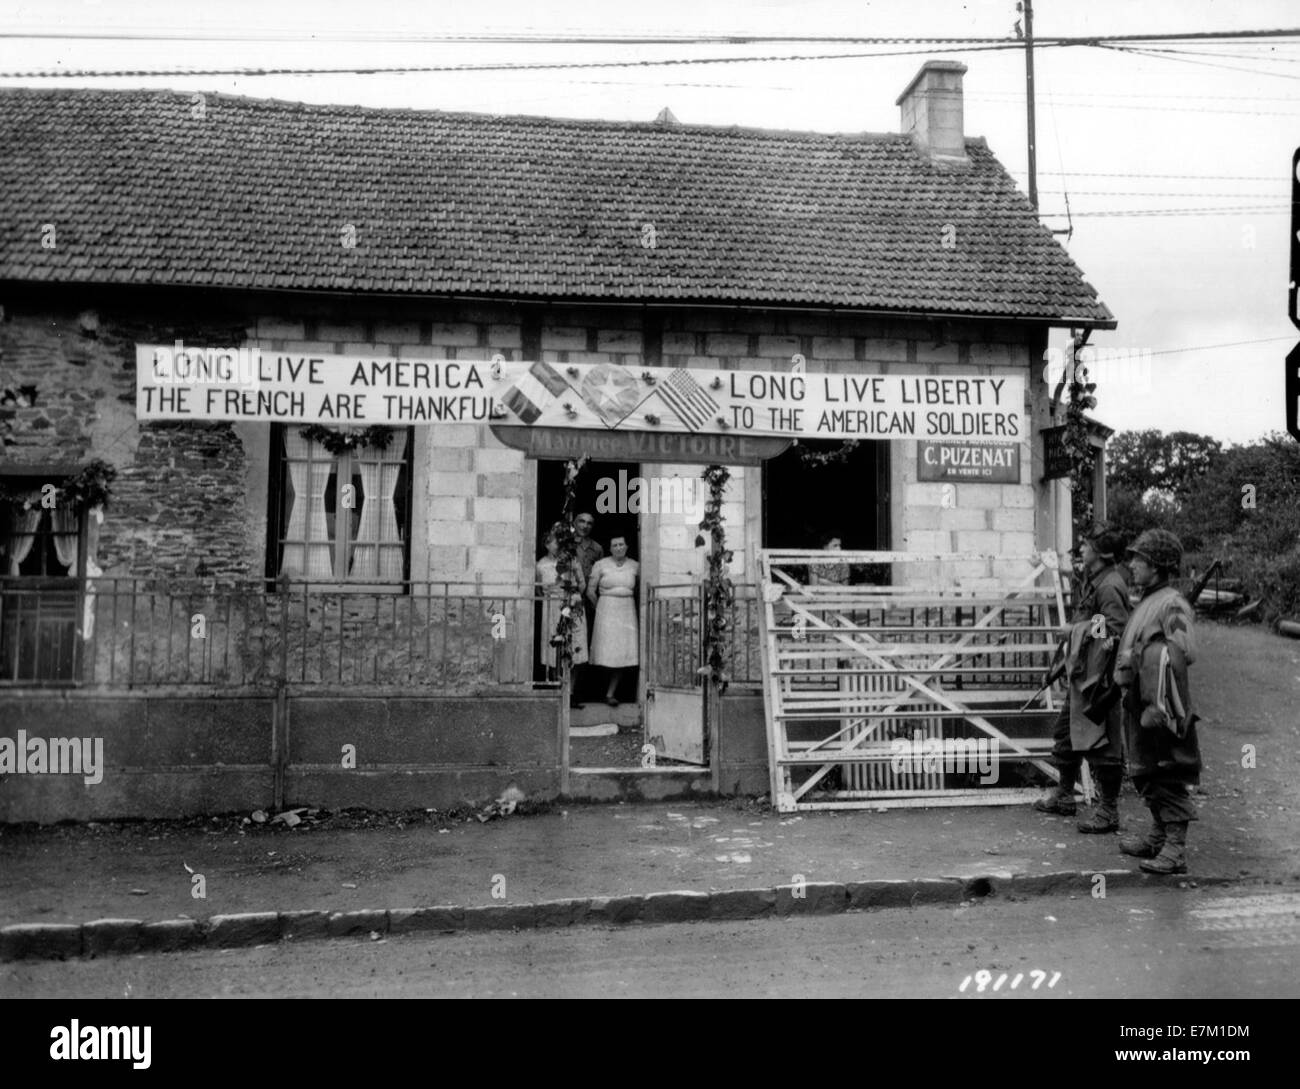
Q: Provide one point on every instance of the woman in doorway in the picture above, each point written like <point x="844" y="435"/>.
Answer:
<point x="824" y="572"/>
<point x="612" y="589"/>
<point x="548" y="577"/>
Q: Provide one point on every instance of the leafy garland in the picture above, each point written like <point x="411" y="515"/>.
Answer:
<point x="819" y="458"/>
<point x="567" y="552"/>
<point x="347" y="439"/>
<point x="1075" y="440"/>
<point x="719" y="593"/>
<point x="84" y="490"/>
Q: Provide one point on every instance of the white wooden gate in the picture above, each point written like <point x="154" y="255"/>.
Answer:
<point x="674" y="686"/>
<point x="921" y="693"/>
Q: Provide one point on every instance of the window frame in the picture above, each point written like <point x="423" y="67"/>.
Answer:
<point x="65" y="594"/>
<point x="35" y="477"/>
<point x="277" y="517"/>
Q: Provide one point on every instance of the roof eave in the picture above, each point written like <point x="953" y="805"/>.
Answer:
<point x="1055" y="321"/>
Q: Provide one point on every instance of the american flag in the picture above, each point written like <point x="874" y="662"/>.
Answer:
<point x="685" y="397"/>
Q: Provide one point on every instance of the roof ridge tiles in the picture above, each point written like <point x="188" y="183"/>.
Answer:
<point x="286" y="105"/>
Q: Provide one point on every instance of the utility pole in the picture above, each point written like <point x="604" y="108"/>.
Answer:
<point x="1027" y="7"/>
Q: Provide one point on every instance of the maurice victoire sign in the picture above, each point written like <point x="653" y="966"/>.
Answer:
<point x="179" y="383"/>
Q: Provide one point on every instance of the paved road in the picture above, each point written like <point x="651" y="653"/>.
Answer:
<point x="1140" y="943"/>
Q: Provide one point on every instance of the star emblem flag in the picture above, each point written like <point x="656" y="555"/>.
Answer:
<point x="611" y="393"/>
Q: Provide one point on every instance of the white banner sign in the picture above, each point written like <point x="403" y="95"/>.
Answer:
<point x="189" y="383"/>
<point x="195" y="383"/>
<point x="978" y="408"/>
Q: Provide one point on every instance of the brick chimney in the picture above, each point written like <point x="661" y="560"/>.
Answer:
<point x="932" y="110"/>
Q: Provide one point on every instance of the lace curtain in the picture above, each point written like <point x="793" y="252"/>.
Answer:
<point x="23" y="538"/>
<point x="378" y="552"/>
<point x="65" y="536"/>
<point x="308" y="550"/>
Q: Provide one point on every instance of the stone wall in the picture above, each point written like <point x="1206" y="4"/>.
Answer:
<point x="181" y="492"/>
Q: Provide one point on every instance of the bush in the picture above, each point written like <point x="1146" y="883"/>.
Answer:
<point x="1273" y="579"/>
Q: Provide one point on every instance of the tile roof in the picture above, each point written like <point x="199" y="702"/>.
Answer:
<point x="258" y="194"/>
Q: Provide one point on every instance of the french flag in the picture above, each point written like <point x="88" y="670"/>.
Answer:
<point x="532" y="392"/>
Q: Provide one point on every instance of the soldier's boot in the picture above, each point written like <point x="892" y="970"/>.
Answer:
<point x="1060" y="799"/>
<point x="1147" y="846"/>
<point x="1173" y="855"/>
<point x="1105" y="817"/>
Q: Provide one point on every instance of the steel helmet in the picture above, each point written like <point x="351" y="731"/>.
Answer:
<point x="1160" y="548"/>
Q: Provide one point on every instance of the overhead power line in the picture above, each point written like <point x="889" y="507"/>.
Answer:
<point x="1228" y="344"/>
<point x="962" y="45"/>
<point x="380" y="69"/>
<point x="543" y="38"/>
<point x="1284" y="176"/>
<point x="1171" y="55"/>
<point x="1140" y="212"/>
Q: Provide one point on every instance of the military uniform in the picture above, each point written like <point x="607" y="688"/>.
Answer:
<point x="1076" y="736"/>
<point x="1164" y="765"/>
<point x="1164" y="756"/>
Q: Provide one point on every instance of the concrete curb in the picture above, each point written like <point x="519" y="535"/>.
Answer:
<point x="109" y="937"/>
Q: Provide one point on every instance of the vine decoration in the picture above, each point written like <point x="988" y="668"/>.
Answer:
<point x="345" y="440"/>
<point x="566" y="556"/>
<point x="89" y="488"/>
<point x="719" y="592"/>
<point x="818" y="458"/>
<point x="1075" y="439"/>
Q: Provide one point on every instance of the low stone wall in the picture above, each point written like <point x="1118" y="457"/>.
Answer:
<point x="420" y="752"/>
<point x="166" y="754"/>
<point x="162" y="756"/>
<point x="169" y="755"/>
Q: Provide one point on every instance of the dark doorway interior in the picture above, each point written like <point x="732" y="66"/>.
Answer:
<point x="550" y="502"/>
<point x="804" y="503"/>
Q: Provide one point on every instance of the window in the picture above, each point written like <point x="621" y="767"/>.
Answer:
<point x="341" y="518"/>
<point x="36" y="541"/>
<point x="41" y="551"/>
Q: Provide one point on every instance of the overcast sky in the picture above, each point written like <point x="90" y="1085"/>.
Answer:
<point x="1118" y="132"/>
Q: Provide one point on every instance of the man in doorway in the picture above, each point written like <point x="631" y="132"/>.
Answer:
<point x="588" y="549"/>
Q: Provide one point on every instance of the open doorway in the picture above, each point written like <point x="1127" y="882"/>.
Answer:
<point x="805" y="503"/>
<point x="602" y="736"/>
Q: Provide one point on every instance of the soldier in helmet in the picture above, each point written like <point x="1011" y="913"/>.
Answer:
<point x="1089" y="725"/>
<point x="1155" y="650"/>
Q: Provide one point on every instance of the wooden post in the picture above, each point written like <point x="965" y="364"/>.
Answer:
<point x="566" y="688"/>
<point x="713" y="733"/>
<point x="280" y="745"/>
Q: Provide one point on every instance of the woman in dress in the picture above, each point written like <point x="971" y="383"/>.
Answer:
<point x="612" y="589"/>
<point x="548" y="577"/>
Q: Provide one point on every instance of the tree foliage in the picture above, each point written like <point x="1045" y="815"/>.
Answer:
<point x="1139" y="461"/>
<point x="1240" y="504"/>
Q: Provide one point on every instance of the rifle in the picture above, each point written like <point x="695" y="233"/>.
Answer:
<point x="1203" y="581"/>
<point x="1055" y="671"/>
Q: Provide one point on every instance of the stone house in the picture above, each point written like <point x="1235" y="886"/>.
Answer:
<point x="147" y="217"/>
